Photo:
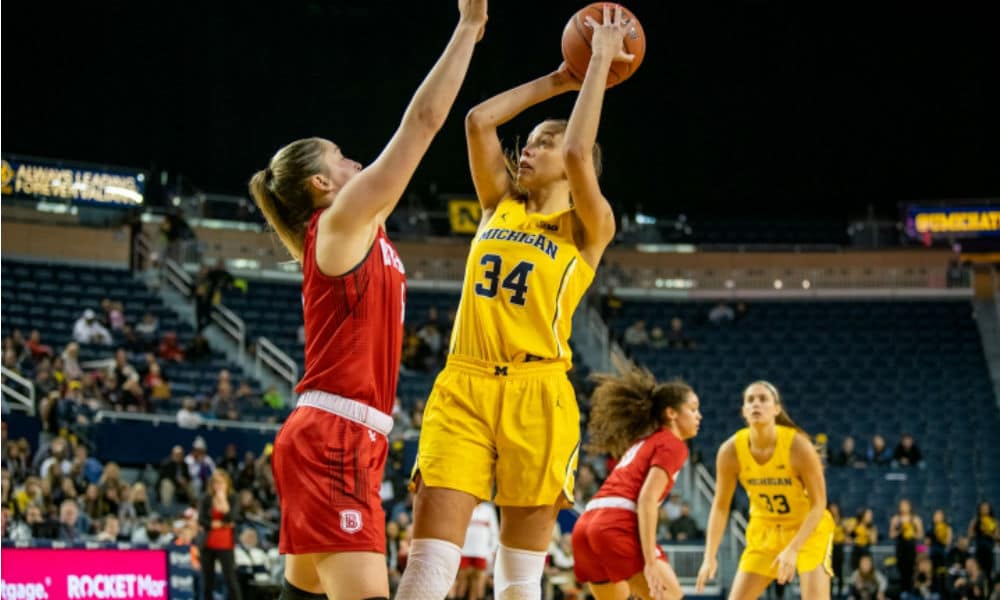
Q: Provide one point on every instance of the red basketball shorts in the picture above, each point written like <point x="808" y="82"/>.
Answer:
<point x="328" y="471"/>
<point x="606" y="546"/>
<point x="473" y="562"/>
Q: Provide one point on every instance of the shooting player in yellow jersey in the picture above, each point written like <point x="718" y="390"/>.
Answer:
<point x="503" y="412"/>
<point x="790" y="529"/>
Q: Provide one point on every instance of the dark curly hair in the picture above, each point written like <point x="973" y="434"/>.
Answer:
<point x="627" y="407"/>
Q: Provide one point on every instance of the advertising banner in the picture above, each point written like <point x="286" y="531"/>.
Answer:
<point x="78" y="574"/>
<point x="49" y="179"/>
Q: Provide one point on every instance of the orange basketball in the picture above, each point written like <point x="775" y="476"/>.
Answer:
<point x="576" y="43"/>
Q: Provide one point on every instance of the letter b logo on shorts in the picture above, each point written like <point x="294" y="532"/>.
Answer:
<point x="350" y="521"/>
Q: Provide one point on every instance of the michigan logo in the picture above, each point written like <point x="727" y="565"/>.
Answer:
<point x="7" y="177"/>
<point x="350" y="521"/>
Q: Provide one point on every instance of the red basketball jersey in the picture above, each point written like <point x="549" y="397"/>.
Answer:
<point x="661" y="449"/>
<point x="354" y="324"/>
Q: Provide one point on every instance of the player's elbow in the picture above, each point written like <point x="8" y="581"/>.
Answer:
<point x="476" y="119"/>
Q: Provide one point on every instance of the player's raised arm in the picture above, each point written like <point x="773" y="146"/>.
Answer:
<point x="374" y="192"/>
<point x="486" y="156"/>
<point x="591" y="206"/>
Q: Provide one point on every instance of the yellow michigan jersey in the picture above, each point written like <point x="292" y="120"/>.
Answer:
<point x="523" y="280"/>
<point x="778" y="505"/>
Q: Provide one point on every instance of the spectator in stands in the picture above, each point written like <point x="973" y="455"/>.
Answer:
<point x="684" y="527"/>
<point x="89" y="468"/>
<point x="559" y="568"/>
<point x="218" y="513"/>
<point x="69" y="517"/>
<point x="941" y="535"/>
<point x="36" y="347"/>
<point x="969" y="582"/>
<point x="148" y="330"/>
<point x="132" y="342"/>
<point x="677" y="336"/>
<point x="110" y="529"/>
<point x="273" y="398"/>
<point x="122" y="369"/>
<point x="958" y="553"/>
<point x="71" y="361"/>
<point x="58" y="458"/>
<point x="88" y="330"/>
<point x="721" y="314"/>
<point x="14" y="530"/>
<point x="924" y="585"/>
<point x="251" y="561"/>
<point x="907" y="529"/>
<point x="864" y="534"/>
<point x="170" y="349"/>
<point x="846" y="456"/>
<point x="175" y="478"/>
<point x="197" y="349"/>
<point x="673" y="507"/>
<point x="223" y="402"/>
<point x="229" y="461"/>
<point x="156" y="385"/>
<point x="636" y="335"/>
<point x="188" y="416"/>
<point x="907" y="453"/>
<point x="153" y="531"/>
<point x="117" y="316"/>
<point x="984" y="531"/>
<point x="658" y="338"/>
<point x="878" y="453"/>
<point x="867" y="582"/>
<point x="131" y="396"/>
<point x="741" y="311"/>
<point x="11" y="361"/>
<point x="200" y="464"/>
<point x="40" y="526"/>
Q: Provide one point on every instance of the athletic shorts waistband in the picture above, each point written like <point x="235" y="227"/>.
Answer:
<point x="529" y="368"/>
<point x="610" y="502"/>
<point x="352" y="410"/>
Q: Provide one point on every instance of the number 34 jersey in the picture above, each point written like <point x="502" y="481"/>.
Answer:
<point x="523" y="280"/>
<point x="776" y="492"/>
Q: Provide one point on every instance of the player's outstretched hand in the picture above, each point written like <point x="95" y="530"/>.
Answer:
<point x="707" y="571"/>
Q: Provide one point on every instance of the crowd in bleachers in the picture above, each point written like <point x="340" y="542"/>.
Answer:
<point x="146" y="360"/>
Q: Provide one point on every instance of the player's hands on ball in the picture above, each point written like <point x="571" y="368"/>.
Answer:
<point x="785" y="562"/>
<point x="609" y="35"/>
<point x="474" y="13"/>
<point x="707" y="571"/>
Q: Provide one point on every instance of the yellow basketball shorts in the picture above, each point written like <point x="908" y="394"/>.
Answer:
<point x="766" y="539"/>
<point x="515" y="424"/>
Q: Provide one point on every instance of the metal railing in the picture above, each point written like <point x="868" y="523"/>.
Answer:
<point x="276" y="360"/>
<point x="156" y="419"/>
<point x="232" y="325"/>
<point x="178" y="278"/>
<point x="25" y="397"/>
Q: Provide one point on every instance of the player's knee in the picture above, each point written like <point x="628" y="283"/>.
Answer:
<point x="290" y="592"/>
<point x="518" y="574"/>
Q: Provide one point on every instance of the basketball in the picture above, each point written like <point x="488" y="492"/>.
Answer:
<point x="576" y="43"/>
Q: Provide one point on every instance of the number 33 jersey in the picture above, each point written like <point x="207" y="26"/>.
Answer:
<point x="523" y="280"/>
<point x="776" y="492"/>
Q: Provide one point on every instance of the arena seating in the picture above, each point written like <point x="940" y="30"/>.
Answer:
<point x="850" y="368"/>
<point x="51" y="297"/>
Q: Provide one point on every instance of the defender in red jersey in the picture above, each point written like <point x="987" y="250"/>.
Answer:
<point x="330" y="454"/>
<point x="645" y="423"/>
